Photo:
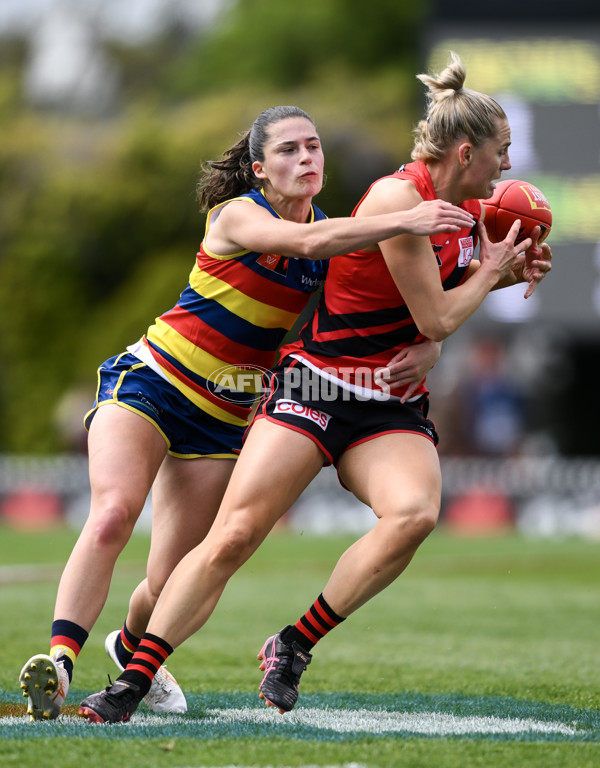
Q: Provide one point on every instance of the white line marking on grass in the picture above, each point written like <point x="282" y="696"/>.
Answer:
<point x="349" y="721"/>
<point x="365" y="720"/>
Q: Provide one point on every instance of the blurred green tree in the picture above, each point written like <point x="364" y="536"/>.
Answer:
<point x="99" y="224"/>
<point x="288" y="45"/>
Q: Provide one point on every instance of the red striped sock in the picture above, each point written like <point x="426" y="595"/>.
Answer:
<point x="314" y="625"/>
<point x="126" y="645"/>
<point x="150" y="655"/>
<point x="66" y="642"/>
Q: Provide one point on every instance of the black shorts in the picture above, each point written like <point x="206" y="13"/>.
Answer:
<point x="339" y="420"/>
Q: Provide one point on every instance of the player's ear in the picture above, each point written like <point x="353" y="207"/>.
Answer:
<point x="465" y="153"/>
<point x="258" y="169"/>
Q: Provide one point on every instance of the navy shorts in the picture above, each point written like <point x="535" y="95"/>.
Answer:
<point x="336" y="423"/>
<point x="188" y="431"/>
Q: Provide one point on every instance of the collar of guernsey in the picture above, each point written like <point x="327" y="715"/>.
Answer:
<point x="229" y="321"/>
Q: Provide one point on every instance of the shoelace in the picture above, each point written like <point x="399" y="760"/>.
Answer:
<point x="284" y="669"/>
<point x="162" y="684"/>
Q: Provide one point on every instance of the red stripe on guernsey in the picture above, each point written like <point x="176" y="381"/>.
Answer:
<point x="198" y="332"/>
<point x="67" y="642"/>
<point x="346" y="333"/>
<point x="158" y="649"/>
<point x="250" y="283"/>
<point x="327" y="619"/>
<point x="236" y="410"/>
<point x="138" y="668"/>
<point x="301" y="628"/>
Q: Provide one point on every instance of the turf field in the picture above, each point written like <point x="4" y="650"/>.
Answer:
<point x="484" y="653"/>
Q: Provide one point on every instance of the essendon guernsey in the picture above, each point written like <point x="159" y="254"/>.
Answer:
<point x="362" y="321"/>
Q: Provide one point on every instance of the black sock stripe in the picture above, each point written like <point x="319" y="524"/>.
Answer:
<point x="148" y="664"/>
<point x="311" y="627"/>
<point x="132" y="640"/>
<point x="329" y="611"/>
<point x="168" y="649"/>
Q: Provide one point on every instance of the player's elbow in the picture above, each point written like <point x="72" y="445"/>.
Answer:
<point x="435" y="329"/>
<point x="440" y="335"/>
<point x="310" y="247"/>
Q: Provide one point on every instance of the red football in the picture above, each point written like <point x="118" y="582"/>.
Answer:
<point x="514" y="199"/>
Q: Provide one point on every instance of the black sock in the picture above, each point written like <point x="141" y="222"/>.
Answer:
<point x="314" y="625"/>
<point x="150" y="655"/>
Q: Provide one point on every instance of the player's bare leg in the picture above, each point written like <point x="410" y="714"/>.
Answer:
<point x="185" y="498"/>
<point x="251" y="507"/>
<point x="125" y="452"/>
<point x="399" y="477"/>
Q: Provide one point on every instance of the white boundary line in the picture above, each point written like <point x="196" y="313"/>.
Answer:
<point x="350" y="721"/>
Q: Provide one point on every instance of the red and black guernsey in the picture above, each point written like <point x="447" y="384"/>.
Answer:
<point x="362" y="321"/>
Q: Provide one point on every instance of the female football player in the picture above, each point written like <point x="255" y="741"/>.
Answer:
<point x="376" y="300"/>
<point x="169" y="415"/>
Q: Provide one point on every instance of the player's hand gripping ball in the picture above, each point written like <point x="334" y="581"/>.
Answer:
<point x="514" y="199"/>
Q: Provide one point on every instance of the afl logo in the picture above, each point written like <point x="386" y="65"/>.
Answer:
<point x="241" y="384"/>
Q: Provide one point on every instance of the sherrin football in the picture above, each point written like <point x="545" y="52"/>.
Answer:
<point x="514" y="199"/>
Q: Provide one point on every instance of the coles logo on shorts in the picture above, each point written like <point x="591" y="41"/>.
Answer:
<point x="304" y="411"/>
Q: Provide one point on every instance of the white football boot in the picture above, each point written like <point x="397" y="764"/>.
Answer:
<point x="45" y="682"/>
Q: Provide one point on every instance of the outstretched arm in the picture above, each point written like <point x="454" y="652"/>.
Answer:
<point x="243" y="226"/>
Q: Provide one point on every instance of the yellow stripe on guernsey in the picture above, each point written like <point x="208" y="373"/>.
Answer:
<point x="256" y="312"/>
<point x="198" y="360"/>
<point x="201" y="362"/>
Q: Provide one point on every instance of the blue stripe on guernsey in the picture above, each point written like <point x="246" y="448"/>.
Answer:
<point x="227" y="291"/>
<point x="300" y="274"/>
<point x="229" y="324"/>
<point x="244" y="398"/>
<point x="235" y="311"/>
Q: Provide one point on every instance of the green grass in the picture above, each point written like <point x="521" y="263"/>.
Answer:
<point x="502" y="626"/>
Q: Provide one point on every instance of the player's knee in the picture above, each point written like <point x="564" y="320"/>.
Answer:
<point x="235" y="545"/>
<point x="425" y="521"/>
<point x="113" y="527"/>
<point x="412" y="526"/>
